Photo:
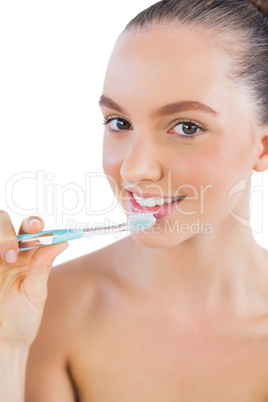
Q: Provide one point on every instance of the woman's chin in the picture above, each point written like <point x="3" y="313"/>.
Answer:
<point x="157" y="238"/>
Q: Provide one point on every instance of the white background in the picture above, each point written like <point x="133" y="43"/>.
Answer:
<point x="53" y="57"/>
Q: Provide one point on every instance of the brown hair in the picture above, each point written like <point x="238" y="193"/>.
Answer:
<point x="239" y="25"/>
<point x="262" y="6"/>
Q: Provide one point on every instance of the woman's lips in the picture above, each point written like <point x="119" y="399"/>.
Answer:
<point x="158" y="211"/>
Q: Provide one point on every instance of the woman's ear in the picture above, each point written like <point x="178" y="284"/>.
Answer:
<point x="261" y="162"/>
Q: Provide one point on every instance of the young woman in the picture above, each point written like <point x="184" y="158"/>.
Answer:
<point x="178" y="312"/>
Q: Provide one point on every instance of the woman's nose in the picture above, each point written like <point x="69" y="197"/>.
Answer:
<point x="141" y="163"/>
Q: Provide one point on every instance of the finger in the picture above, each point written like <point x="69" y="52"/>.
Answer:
<point x="32" y="224"/>
<point x="35" y="283"/>
<point x="8" y="238"/>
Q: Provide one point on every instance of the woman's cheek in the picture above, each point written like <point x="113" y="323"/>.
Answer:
<point x="205" y="178"/>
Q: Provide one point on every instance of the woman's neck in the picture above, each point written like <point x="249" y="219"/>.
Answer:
<point x="228" y="268"/>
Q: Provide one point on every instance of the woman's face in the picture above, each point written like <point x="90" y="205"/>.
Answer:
<point x="176" y="127"/>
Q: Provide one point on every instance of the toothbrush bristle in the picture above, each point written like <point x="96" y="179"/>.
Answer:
<point x="140" y="221"/>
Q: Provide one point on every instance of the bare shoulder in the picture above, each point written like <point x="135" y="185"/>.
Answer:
<point x="76" y="286"/>
<point x="76" y="283"/>
<point x="76" y="294"/>
<point x="93" y="268"/>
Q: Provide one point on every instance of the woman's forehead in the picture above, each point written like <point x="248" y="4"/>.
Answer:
<point x="157" y="53"/>
<point x="148" y="69"/>
<point x="156" y="61"/>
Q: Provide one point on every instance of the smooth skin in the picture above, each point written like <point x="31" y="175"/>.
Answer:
<point x="165" y="316"/>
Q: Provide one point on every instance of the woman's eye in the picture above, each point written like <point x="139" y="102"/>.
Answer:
<point x="119" y="124"/>
<point x="186" y="129"/>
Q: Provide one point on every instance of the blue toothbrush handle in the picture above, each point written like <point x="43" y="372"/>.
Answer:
<point x="136" y="222"/>
<point x="29" y="241"/>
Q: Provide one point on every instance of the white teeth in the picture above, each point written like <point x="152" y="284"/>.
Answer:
<point x="152" y="202"/>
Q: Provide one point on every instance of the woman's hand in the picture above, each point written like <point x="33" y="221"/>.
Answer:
<point x="23" y="283"/>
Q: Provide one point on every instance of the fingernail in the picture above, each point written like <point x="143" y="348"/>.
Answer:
<point x="61" y="251"/>
<point x="11" y="256"/>
<point x="32" y="221"/>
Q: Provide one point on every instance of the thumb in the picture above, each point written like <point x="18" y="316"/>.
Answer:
<point x="35" y="282"/>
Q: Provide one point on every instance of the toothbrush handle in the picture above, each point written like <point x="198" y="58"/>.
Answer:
<point x="29" y="241"/>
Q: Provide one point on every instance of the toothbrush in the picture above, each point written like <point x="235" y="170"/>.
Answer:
<point x="135" y="223"/>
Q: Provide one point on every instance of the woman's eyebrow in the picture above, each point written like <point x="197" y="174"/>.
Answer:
<point x="171" y="108"/>
<point x="183" y="106"/>
<point x="105" y="101"/>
